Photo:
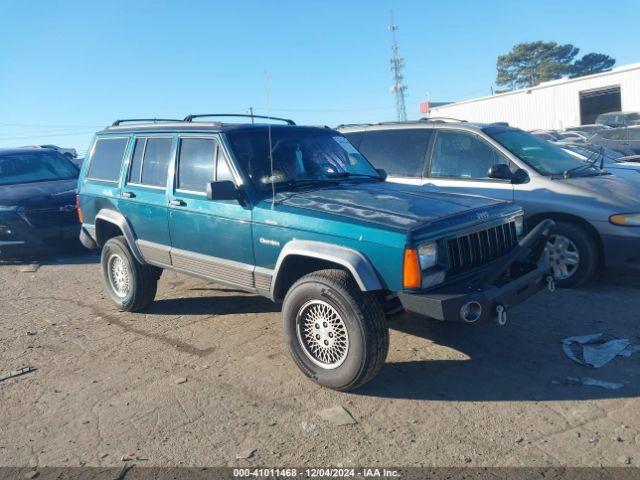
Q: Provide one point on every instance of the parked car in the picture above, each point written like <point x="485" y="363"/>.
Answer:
<point x="560" y="137"/>
<point x="37" y="202"/>
<point x="597" y="215"/>
<point x="619" y="119"/>
<point x="625" y="140"/>
<point x="587" y="130"/>
<point x="298" y="215"/>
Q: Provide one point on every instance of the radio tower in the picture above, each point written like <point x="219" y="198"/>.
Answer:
<point x="397" y="64"/>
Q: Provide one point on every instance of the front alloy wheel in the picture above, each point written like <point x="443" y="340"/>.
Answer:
<point x="563" y="256"/>
<point x="322" y="334"/>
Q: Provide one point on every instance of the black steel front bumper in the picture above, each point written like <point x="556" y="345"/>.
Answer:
<point x="502" y="285"/>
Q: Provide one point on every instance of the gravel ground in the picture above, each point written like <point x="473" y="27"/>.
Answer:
<point x="203" y="379"/>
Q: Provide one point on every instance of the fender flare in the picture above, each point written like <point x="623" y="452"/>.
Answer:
<point x="117" y="219"/>
<point x="355" y="262"/>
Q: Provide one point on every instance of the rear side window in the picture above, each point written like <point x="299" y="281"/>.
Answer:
<point x="401" y="153"/>
<point x="107" y="158"/>
<point x="195" y="167"/>
<point x="150" y="161"/>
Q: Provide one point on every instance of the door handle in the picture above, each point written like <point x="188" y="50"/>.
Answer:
<point x="177" y="203"/>
<point x="128" y="194"/>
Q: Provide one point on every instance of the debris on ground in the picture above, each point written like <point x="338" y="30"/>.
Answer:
<point x="31" y="333"/>
<point x="32" y="267"/>
<point x="625" y="459"/>
<point x="16" y="373"/>
<point x="31" y="475"/>
<point x="594" y="382"/>
<point x="247" y="454"/>
<point x="179" y="380"/>
<point x="596" y="350"/>
<point x="467" y="459"/>
<point x="337" y="415"/>
<point x="308" y="427"/>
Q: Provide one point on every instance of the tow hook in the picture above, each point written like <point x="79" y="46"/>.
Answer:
<point x="551" y="283"/>
<point x="502" y="315"/>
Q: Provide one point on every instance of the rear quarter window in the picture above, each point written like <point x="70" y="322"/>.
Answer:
<point x="401" y="152"/>
<point x="106" y="159"/>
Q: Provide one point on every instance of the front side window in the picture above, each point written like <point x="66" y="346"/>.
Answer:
<point x="463" y="155"/>
<point x="542" y="156"/>
<point x="150" y="161"/>
<point x="298" y="155"/>
<point x="35" y="167"/>
<point x="196" y="162"/>
<point x="400" y="153"/>
<point x="106" y="158"/>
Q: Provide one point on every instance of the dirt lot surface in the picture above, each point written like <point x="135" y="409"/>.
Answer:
<point x="203" y="379"/>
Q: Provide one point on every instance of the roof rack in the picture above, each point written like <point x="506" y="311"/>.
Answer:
<point x="442" y="119"/>
<point x="190" y="118"/>
<point x="138" y="120"/>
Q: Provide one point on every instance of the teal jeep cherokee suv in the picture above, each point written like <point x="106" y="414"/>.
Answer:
<point x="298" y="215"/>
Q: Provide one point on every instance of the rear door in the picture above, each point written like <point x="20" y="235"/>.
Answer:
<point x="460" y="162"/>
<point x="402" y="153"/>
<point x="144" y="195"/>
<point x="208" y="237"/>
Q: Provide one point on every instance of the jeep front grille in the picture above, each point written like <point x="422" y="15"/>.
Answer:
<point x="478" y="248"/>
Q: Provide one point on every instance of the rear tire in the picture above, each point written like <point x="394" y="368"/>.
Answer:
<point x="131" y="285"/>
<point x="573" y="254"/>
<point x="337" y="335"/>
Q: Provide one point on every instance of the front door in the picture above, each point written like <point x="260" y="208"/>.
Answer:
<point x="144" y="196"/>
<point x="211" y="238"/>
<point x="460" y="163"/>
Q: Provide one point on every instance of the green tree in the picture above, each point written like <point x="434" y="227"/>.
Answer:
<point x="528" y="64"/>
<point x="592" y="63"/>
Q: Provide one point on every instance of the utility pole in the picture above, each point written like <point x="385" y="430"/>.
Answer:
<point x="397" y="64"/>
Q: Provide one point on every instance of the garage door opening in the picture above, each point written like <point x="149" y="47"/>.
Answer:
<point x="595" y="102"/>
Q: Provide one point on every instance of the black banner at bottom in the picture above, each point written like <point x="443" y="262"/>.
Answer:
<point x="134" y="472"/>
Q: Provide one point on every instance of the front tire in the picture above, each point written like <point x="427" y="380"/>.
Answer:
<point x="573" y="254"/>
<point x="130" y="285"/>
<point x="337" y="335"/>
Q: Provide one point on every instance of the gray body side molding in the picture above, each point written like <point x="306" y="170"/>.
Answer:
<point x="117" y="219"/>
<point x="352" y="260"/>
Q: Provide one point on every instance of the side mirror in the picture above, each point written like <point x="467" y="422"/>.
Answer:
<point x="501" y="171"/>
<point x="224" y="190"/>
<point x="520" y="176"/>
<point x="382" y="172"/>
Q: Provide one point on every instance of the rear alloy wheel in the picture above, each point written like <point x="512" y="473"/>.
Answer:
<point x="131" y="285"/>
<point x="572" y="253"/>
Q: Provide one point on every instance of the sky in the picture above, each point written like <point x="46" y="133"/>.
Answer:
<point x="68" y="68"/>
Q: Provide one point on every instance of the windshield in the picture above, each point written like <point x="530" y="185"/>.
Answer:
<point x="35" y="167"/>
<point x="633" y="117"/>
<point x="300" y="155"/>
<point x="542" y="156"/>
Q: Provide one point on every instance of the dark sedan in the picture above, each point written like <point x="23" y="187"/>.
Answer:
<point x="37" y="202"/>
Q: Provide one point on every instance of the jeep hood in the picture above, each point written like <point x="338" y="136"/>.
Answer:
<point x="386" y="204"/>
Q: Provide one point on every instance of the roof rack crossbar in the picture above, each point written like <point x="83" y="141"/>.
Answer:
<point x="444" y="119"/>
<point x="190" y="118"/>
<point x="152" y="120"/>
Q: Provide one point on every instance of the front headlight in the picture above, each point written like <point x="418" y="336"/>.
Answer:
<point x="519" y="225"/>
<point x="626" y="219"/>
<point x="428" y="255"/>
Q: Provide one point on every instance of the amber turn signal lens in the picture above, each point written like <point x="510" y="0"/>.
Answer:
<point x="411" y="274"/>
<point x="78" y="208"/>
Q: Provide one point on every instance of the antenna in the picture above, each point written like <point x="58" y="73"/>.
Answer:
<point x="273" y="185"/>
<point x="397" y="64"/>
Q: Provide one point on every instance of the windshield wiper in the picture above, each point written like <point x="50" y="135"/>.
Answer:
<point x="569" y="173"/>
<point x="351" y="174"/>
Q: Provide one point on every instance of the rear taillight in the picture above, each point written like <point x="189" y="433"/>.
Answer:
<point x="78" y="208"/>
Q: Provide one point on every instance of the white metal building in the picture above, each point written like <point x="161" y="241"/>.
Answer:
<point x="556" y="104"/>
